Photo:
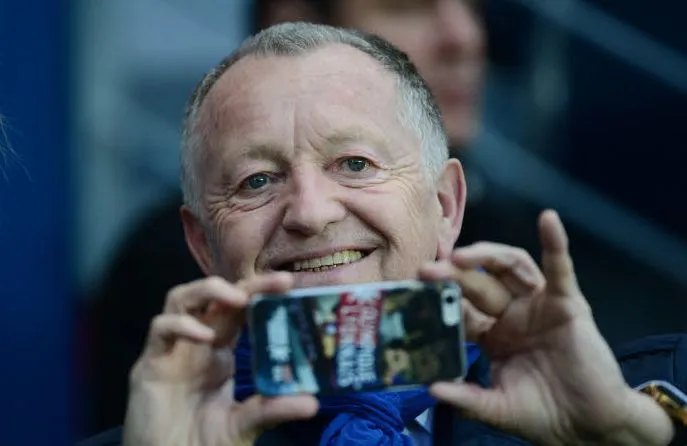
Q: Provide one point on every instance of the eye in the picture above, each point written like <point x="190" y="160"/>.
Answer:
<point x="256" y="181"/>
<point x="356" y="164"/>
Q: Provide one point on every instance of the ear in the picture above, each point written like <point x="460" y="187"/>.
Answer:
<point x="451" y="194"/>
<point x="197" y="241"/>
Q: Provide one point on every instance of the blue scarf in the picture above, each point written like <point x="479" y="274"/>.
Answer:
<point x="372" y="418"/>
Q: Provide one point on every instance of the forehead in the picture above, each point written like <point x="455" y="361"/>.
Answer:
<point x="279" y="99"/>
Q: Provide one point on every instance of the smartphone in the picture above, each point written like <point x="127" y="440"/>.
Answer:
<point x="366" y="337"/>
<point x="672" y="399"/>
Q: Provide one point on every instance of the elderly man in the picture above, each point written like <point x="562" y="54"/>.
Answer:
<point x="310" y="140"/>
<point x="446" y="41"/>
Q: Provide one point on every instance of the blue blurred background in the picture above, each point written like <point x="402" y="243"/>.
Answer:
<point x="586" y="111"/>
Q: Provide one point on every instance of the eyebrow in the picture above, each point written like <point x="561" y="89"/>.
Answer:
<point x="261" y="151"/>
<point x="357" y="135"/>
<point x="353" y="135"/>
<point x="336" y="139"/>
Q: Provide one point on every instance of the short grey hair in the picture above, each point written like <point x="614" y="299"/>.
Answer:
<point x="419" y="112"/>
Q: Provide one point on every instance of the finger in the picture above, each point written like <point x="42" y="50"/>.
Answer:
<point x="195" y="297"/>
<point x="514" y="266"/>
<point x="485" y="292"/>
<point x="476" y="323"/>
<point x="166" y="329"/>
<point x="258" y="412"/>
<point x="230" y="321"/>
<point x="220" y="305"/>
<point x="486" y="405"/>
<point x="215" y="302"/>
<point x="556" y="260"/>
<point x="277" y="282"/>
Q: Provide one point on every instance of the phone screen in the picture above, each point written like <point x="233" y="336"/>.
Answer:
<point x="334" y="340"/>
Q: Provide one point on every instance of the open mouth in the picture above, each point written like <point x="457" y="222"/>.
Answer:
<point x="326" y="263"/>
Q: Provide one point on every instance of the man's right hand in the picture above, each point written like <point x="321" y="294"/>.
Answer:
<point x="181" y="388"/>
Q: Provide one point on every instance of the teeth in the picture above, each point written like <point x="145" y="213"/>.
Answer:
<point x="327" y="262"/>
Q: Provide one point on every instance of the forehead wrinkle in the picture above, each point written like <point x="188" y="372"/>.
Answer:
<point x="365" y="124"/>
<point x="234" y="99"/>
<point x="231" y="111"/>
<point x="238" y="100"/>
<point x="211" y="116"/>
<point x="231" y="108"/>
<point x="368" y="77"/>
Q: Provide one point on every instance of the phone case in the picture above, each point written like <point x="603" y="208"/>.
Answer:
<point x="342" y="339"/>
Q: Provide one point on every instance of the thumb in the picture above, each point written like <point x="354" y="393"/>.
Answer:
<point x="557" y="264"/>
<point x="475" y="402"/>
<point x="258" y="412"/>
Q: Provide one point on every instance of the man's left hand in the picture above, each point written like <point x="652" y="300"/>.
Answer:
<point x="555" y="379"/>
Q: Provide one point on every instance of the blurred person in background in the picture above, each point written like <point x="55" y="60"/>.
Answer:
<point x="447" y="41"/>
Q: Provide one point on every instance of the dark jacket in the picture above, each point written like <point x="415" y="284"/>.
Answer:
<point x="658" y="357"/>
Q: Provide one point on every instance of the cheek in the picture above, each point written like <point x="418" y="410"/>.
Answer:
<point x="419" y="202"/>
<point x="421" y="217"/>
<point x="241" y="240"/>
<point x="405" y="216"/>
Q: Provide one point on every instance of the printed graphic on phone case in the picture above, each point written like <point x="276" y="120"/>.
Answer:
<point x="364" y="340"/>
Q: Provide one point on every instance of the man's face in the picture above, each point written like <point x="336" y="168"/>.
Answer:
<point x="444" y="38"/>
<point x="311" y="172"/>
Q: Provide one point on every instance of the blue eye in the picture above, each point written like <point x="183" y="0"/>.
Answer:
<point x="256" y="181"/>
<point x="357" y="164"/>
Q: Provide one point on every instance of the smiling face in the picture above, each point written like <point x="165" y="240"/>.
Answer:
<point x="310" y="171"/>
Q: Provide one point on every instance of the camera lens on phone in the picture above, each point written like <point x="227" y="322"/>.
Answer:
<point x="449" y="296"/>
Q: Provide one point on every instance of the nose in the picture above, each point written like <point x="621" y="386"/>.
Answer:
<point x="312" y="204"/>
<point x="458" y="26"/>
